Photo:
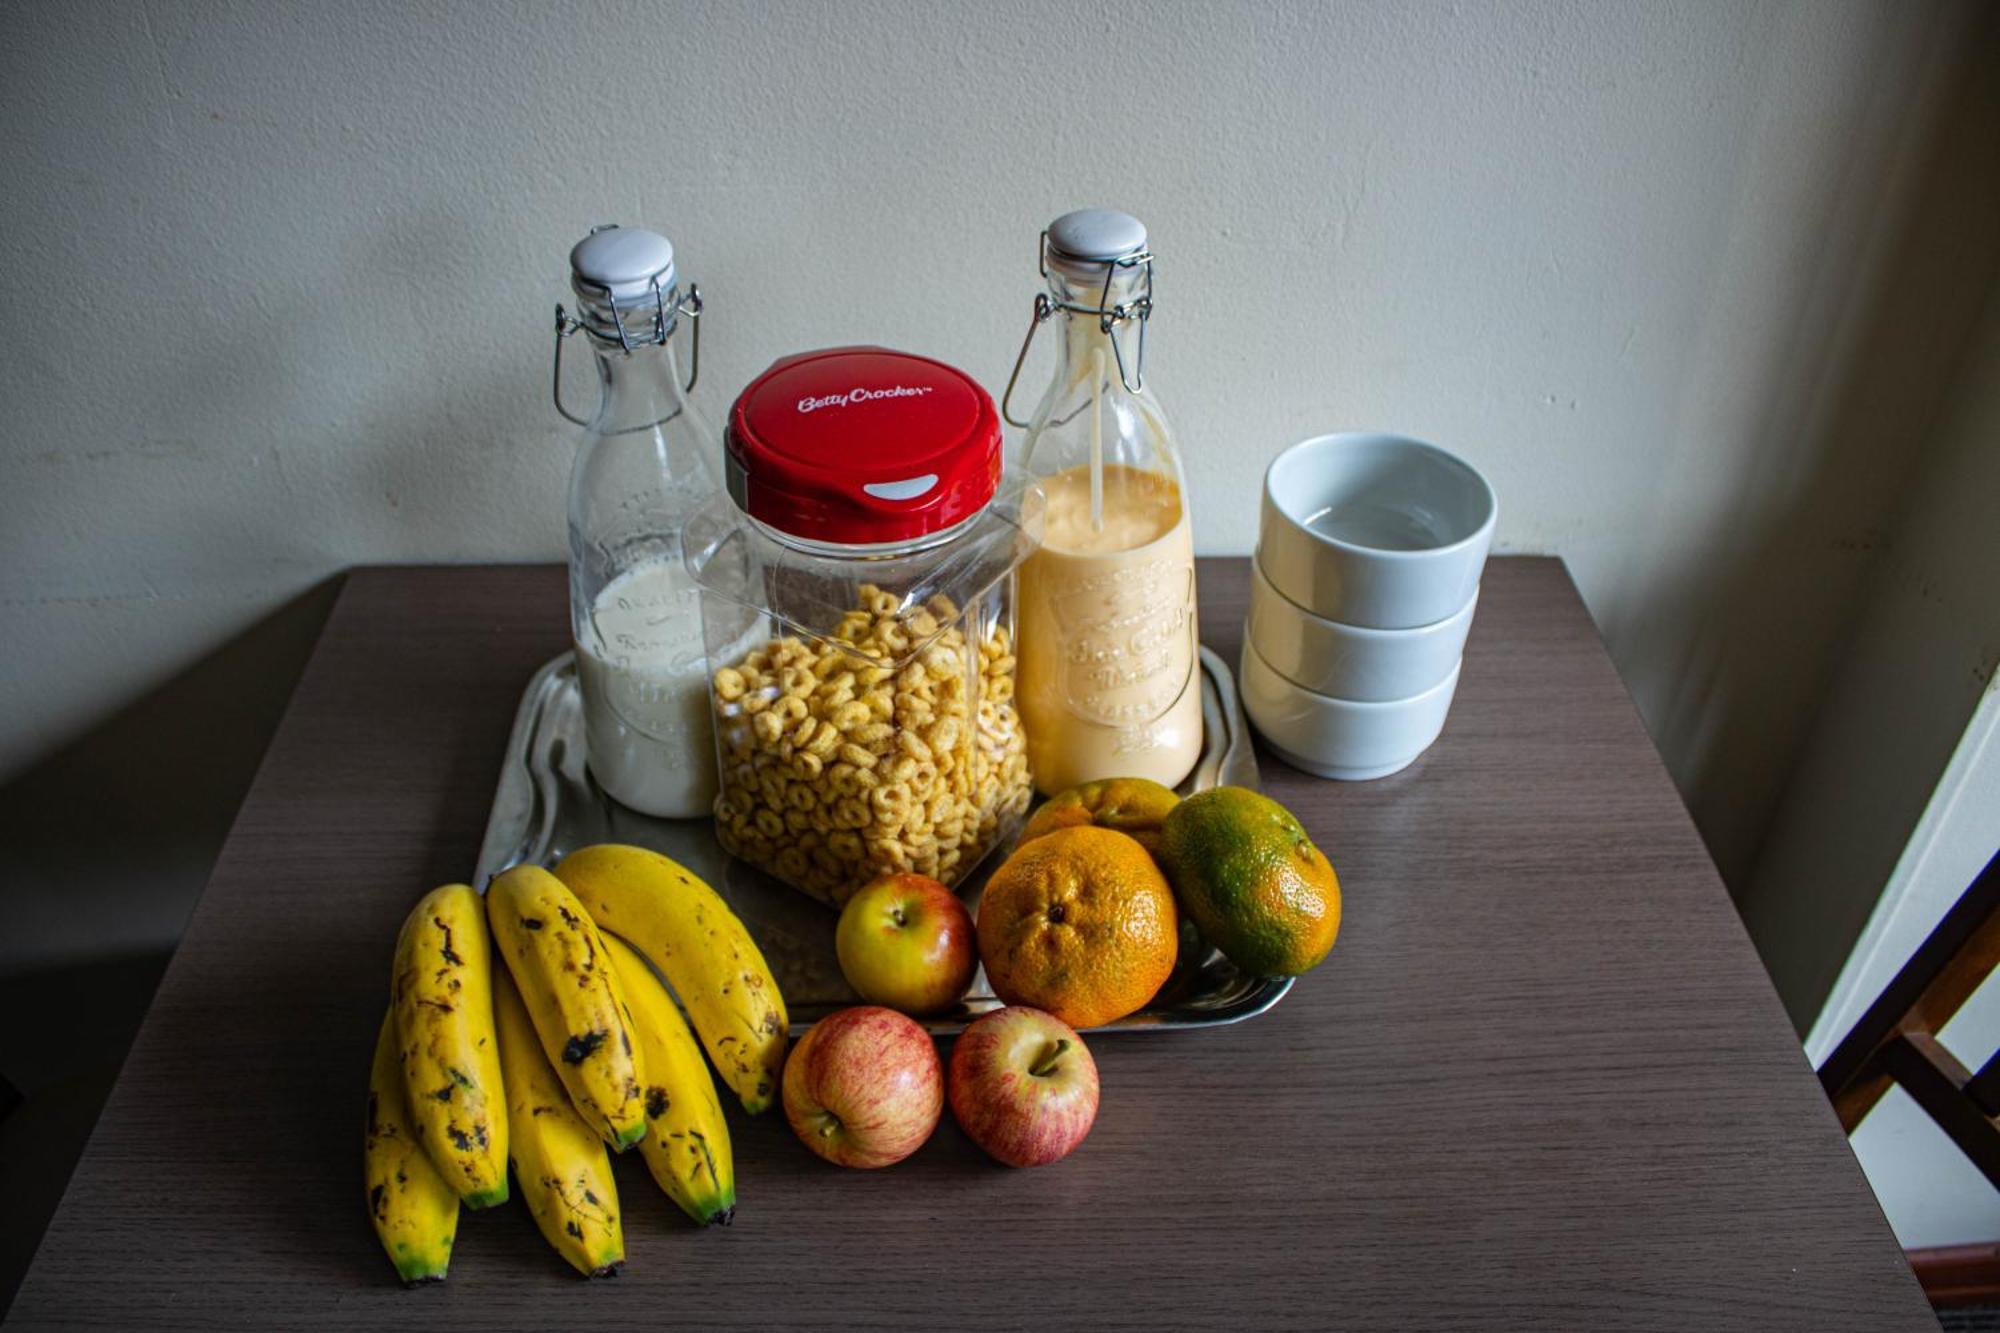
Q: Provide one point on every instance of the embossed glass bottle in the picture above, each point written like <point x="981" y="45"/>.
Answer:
<point x="645" y="462"/>
<point x="1108" y="682"/>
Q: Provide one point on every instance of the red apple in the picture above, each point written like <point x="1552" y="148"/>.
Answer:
<point x="1023" y="1086"/>
<point x="907" y="941"/>
<point x="864" y="1087"/>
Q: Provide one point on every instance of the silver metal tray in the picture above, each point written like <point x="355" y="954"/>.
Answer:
<point x="548" y="805"/>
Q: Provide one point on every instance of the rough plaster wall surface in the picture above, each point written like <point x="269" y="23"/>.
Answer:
<point x="279" y="275"/>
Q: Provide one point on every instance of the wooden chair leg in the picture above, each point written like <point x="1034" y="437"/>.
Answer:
<point x="1936" y="1081"/>
<point x="1946" y="968"/>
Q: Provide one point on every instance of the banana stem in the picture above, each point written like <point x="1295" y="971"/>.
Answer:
<point x="1046" y="1064"/>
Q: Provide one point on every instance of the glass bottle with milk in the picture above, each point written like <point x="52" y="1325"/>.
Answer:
<point x="645" y="463"/>
<point x="1107" y="679"/>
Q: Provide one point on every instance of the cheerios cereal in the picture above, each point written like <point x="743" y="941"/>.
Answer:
<point x="837" y="769"/>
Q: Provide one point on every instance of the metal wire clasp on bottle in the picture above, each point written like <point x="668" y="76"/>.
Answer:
<point x="1109" y="316"/>
<point x="666" y="314"/>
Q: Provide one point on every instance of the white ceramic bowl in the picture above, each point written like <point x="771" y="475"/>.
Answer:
<point x="1378" y="531"/>
<point x="1351" y="661"/>
<point x="1341" y="738"/>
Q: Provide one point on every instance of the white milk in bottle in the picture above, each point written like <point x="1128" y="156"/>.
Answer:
<point x="643" y="463"/>
<point x="645" y="693"/>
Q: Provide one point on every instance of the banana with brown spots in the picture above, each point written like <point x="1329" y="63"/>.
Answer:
<point x="687" y="1141"/>
<point x="441" y="995"/>
<point x="415" y="1213"/>
<point x="557" y="959"/>
<point x="664" y="910"/>
<point x="560" y="1166"/>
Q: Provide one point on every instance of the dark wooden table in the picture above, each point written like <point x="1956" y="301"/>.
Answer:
<point x="1542" y="1082"/>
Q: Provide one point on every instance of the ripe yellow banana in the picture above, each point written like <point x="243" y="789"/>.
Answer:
<point x="441" y="993"/>
<point x="558" y="961"/>
<point x="560" y="1165"/>
<point x="687" y="1141"/>
<point x="414" y="1211"/>
<point x="665" y="911"/>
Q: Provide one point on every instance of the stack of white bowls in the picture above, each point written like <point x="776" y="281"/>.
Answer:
<point x="1369" y="552"/>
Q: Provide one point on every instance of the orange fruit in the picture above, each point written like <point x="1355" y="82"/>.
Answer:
<point x="1081" y="923"/>
<point x="1133" y="806"/>
<point x="1245" y="870"/>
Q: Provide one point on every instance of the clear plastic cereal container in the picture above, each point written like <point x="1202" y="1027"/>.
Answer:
<point x="857" y="603"/>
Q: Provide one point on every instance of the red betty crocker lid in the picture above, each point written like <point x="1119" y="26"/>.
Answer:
<point x="862" y="445"/>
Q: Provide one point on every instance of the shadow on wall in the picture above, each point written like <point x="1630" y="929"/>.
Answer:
<point x="113" y="836"/>
<point x="109" y="843"/>
<point x="111" y="839"/>
<point x="1843" y="446"/>
<point x="66" y="1072"/>
<point x="1922" y="654"/>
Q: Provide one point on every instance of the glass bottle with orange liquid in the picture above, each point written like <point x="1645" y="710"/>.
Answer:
<point x="1108" y="682"/>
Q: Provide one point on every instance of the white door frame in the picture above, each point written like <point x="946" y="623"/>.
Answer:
<point x="1951" y="843"/>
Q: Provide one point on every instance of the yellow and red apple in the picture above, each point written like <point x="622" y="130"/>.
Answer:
<point x="1023" y="1086"/>
<point x="864" y="1087"/>
<point x="907" y="942"/>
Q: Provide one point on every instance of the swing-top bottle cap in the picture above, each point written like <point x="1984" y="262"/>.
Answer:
<point x="1096" y="235"/>
<point x="634" y="265"/>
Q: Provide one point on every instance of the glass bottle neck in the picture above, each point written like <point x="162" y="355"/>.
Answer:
<point x="1084" y="337"/>
<point x="640" y="388"/>
<point x="1090" y="419"/>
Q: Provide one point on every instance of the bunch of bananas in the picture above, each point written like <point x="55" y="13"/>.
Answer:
<point x="573" y="1047"/>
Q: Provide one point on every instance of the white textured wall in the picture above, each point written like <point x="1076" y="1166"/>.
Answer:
<point x="277" y="280"/>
